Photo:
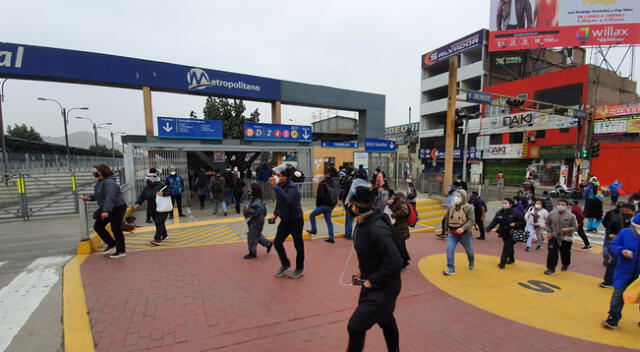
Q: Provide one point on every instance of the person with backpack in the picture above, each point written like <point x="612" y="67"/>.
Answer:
<point x="254" y="214"/>
<point x="218" y="190"/>
<point x="479" y="211"/>
<point x="400" y="220"/>
<point x="507" y="219"/>
<point x="326" y="200"/>
<point x="459" y="222"/>
<point x="154" y="187"/>
<point x="547" y="203"/>
<point x="380" y="262"/>
<point x="175" y="183"/>
<point x="411" y="192"/>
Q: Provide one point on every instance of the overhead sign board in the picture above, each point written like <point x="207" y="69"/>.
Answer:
<point x="334" y="144"/>
<point x="474" y="96"/>
<point x="525" y="121"/>
<point x="189" y="128"/>
<point x="617" y="125"/>
<point x="374" y="145"/>
<point x="44" y="63"/>
<point x="277" y="132"/>
<point x="616" y="110"/>
<point x="426" y="154"/>
<point x="458" y="47"/>
<point x="531" y="24"/>
<point x="399" y="133"/>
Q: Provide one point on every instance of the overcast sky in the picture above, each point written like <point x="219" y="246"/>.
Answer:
<point x="371" y="45"/>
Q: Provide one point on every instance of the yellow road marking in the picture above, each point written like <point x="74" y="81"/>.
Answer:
<point x="76" y="325"/>
<point x="575" y="308"/>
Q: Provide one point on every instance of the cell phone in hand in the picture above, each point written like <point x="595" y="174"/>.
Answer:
<point x="356" y="281"/>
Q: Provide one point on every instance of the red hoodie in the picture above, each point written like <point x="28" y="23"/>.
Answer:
<point x="577" y="211"/>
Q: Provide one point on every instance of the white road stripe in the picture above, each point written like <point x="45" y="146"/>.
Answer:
<point x="20" y="298"/>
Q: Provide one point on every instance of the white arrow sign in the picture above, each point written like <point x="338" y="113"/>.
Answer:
<point x="167" y="128"/>
<point x="305" y="135"/>
<point x="391" y="145"/>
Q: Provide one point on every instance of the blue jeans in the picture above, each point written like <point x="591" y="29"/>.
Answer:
<point x="452" y="242"/>
<point x="326" y="211"/>
<point x="617" y="303"/>
<point x="215" y="206"/>
<point x="593" y="224"/>
<point x="611" y="268"/>
<point x="348" y="226"/>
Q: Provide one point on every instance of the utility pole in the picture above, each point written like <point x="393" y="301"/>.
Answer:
<point x="449" y="124"/>
<point x="5" y="155"/>
<point x="465" y="147"/>
<point x="409" y="135"/>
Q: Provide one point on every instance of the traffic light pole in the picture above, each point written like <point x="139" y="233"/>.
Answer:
<point x="450" y="124"/>
<point x="465" y="147"/>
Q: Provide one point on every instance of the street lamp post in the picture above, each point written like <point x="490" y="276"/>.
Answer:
<point x="95" y="130"/>
<point x="5" y="155"/>
<point x="65" y="119"/>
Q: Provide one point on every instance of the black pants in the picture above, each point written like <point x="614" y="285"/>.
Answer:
<point x="115" y="219"/>
<point x="374" y="307"/>
<point x="293" y="228"/>
<point x="201" y="198"/>
<point x="555" y="246"/>
<point x="176" y="199"/>
<point x="161" y="229"/>
<point x="583" y="236"/>
<point x="237" y="198"/>
<point x="480" y="224"/>
<point x="614" y="200"/>
<point x="149" y="214"/>
<point x="507" y="250"/>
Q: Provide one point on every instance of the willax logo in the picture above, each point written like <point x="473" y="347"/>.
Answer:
<point x="583" y="34"/>
<point x="198" y="79"/>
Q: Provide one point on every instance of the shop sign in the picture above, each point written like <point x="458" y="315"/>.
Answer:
<point x="525" y="121"/>
<point x="557" y="151"/>
<point x="503" y="151"/>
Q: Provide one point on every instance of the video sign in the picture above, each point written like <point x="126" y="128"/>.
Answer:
<point x="533" y="24"/>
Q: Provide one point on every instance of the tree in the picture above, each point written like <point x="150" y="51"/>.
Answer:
<point x="104" y="150"/>
<point x="232" y="116"/>
<point x="24" y="132"/>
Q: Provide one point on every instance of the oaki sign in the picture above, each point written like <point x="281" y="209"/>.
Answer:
<point x="525" y="121"/>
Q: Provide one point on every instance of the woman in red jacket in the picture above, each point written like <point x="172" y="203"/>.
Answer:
<point x="577" y="211"/>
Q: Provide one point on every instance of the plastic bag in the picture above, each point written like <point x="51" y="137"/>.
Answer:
<point x="632" y="294"/>
<point x="163" y="204"/>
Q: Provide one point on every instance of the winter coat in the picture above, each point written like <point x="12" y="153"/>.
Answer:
<point x="557" y="220"/>
<point x="615" y="189"/>
<point x="108" y="194"/>
<point x="411" y="194"/>
<point x="175" y="184"/>
<point x="542" y="217"/>
<point x="287" y="202"/>
<point x="504" y="218"/>
<point x="593" y="208"/>
<point x="238" y="187"/>
<point x="219" y="194"/>
<point x="400" y="213"/>
<point x="202" y="184"/>
<point x="577" y="211"/>
<point x="466" y="208"/>
<point x="547" y="203"/>
<point x="149" y="194"/>
<point x="627" y="269"/>
<point x="254" y="214"/>
<point x="616" y="223"/>
<point x="323" y="197"/>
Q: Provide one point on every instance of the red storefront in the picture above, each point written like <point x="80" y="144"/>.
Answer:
<point x="551" y="151"/>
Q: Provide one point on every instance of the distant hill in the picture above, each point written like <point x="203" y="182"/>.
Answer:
<point x="83" y="139"/>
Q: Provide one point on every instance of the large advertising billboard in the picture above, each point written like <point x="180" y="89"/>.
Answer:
<point x="467" y="43"/>
<point x="532" y="24"/>
<point x="617" y="120"/>
<point x="524" y="121"/>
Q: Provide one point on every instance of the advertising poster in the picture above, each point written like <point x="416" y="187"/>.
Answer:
<point x="361" y="158"/>
<point x="525" y="121"/>
<point x="534" y="24"/>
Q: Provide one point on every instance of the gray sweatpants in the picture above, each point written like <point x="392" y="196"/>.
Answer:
<point x="255" y="235"/>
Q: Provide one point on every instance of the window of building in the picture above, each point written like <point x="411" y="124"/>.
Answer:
<point x="564" y="130"/>
<point x="516" y="137"/>
<point x="570" y="95"/>
<point x="495" y="139"/>
<point x="541" y="134"/>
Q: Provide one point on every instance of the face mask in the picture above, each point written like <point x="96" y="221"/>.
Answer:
<point x="636" y="227"/>
<point x="562" y="208"/>
<point x="457" y="199"/>
<point x="277" y="179"/>
<point x="173" y="173"/>
<point x="506" y="206"/>
<point x="538" y="206"/>
<point x="95" y="174"/>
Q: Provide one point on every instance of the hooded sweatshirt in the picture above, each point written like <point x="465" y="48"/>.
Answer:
<point x="558" y="220"/>
<point x="627" y="269"/>
<point x="460" y="215"/>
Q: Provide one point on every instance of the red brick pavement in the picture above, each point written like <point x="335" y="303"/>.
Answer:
<point x="211" y="299"/>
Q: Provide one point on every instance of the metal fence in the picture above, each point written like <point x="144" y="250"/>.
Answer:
<point x="39" y="162"/>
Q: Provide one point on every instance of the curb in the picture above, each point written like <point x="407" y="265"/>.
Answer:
<point x="76" y="326"/>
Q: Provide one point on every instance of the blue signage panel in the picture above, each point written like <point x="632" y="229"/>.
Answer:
<point x="467" y="43"/>
<point x="474" y="96"/>
<point x="373" y="145"/>
<point x="38" y="62"/>
<point x="331" y="144"/>
<point x="171" y="127"/>
<point x="427" y="154"/>
<point x="579" y="114"/>
<point x="277" y="132"/>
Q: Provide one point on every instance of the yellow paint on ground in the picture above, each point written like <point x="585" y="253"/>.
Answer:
<point x="190" y="237"/>
<point x="575" y="309"/>
<point x="76" y="325"/>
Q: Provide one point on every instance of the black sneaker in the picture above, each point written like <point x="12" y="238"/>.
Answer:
<point x="156" y="243"/>
<point x="312" y="232"/>
<point x="605" y="285"/>
<point x="609" y="324"/>
<point x="587" y="248"/>
<point x="117" y="255"/>
<point x="296" y="274"/>
<point x="564" y="268"/>
<point x="511" y="261"/>
<point x="250" y="256"/>
<point x="283" y="270"/>
<point x="549" y="272"/>
<point x="149" y="221"/>
<point x="480" y="238"/>
<point x="538" y="247"/>
<point x="348" y="238"/>
<point x="501" y="265"/>
<point x="330" y="240"/>
<point x="528" y="249"/>
<point x="269" y="246"/>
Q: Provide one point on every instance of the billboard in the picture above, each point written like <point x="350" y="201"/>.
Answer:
<point x="616" y="110"/>
<point x="534" y="24"/>
<point x="524" y="121"/>
<point x="467" y="43"/>
<point x="399" y="133"/>
<point x="503" y="151"/>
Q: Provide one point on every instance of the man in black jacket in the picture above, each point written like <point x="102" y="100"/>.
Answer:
<point x="380" y="263"/>
<point x="289" y="210"/>
<point x="326" y="200"/>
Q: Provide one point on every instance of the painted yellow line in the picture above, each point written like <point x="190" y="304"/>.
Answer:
<point x="200" y="239"/>
<point x="568" y="303"/>
<point x="76" y="325"/>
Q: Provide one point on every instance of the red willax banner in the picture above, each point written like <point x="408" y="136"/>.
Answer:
<point x="532" y="24"/>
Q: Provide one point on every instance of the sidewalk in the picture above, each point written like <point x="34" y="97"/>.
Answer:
<point x="207" y="298"/>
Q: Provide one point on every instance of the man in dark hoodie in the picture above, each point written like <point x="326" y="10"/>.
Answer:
<point x="380" y="262"/>
<point x="289" y="210"/>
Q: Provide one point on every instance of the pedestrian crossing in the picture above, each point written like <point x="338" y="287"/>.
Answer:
<point x="24" y="292"/>
<point x="188" y="237"/>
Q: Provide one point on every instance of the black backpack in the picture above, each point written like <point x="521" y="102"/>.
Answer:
<point x="396" y="237"/>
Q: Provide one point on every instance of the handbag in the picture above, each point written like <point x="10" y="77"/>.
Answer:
<point x="519" y="235"/>
<point x="163" y="204"/>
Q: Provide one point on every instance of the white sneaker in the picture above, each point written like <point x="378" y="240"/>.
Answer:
<point x="118" y="255"/>
<point x="448" y="272"/>
<point x="108" y="251"/>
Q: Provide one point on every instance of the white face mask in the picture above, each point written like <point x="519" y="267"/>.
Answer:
<point x="636" y="227"/>
<point x="538" y="206"/>
<point x="457" y="199"/>
<point x="173" y="172"/>
<point x="562" y="208"/>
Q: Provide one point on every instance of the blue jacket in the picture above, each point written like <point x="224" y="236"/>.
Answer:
<point x="615" y="189"/>
<point x="627" y="269"/>
<point x="176" y="184"/>
<point x="288" y="202"/>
